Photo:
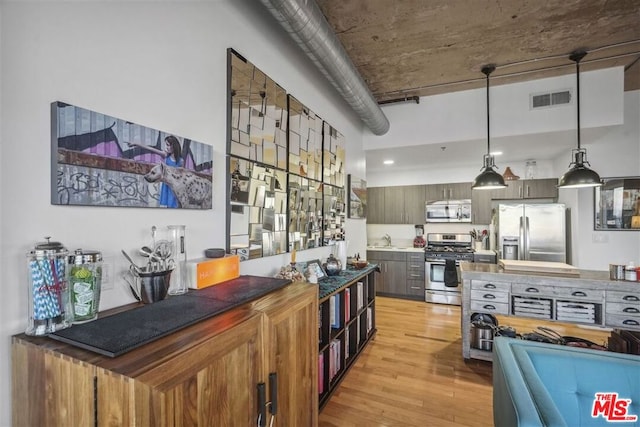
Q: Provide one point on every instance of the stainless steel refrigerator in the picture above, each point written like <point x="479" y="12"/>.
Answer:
<point x="535" y="232"/>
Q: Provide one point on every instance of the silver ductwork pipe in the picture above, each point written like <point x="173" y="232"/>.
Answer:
<point x="306" y="24"/>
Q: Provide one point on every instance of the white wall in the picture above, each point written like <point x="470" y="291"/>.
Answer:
<point x="159" y="64"/>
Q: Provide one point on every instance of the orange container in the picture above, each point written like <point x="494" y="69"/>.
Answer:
<point x="206" y="272"/>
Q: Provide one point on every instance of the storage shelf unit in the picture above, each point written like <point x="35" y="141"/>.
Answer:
<point x="346" y="319"/>
<point x="581" y="300"/>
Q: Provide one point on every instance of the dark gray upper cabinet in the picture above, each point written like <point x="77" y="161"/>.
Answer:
<point x="396" y="205"/>
<point x="528" y="189"/>
<point x="452" y="191"/>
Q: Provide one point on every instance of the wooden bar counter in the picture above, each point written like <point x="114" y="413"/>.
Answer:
<point x="203" y="375"/>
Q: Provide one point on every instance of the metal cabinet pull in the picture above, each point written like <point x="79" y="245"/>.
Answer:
<point x="533" y="290"/>
<point x="630" y="298"/>
<point x="262" y="405"/>
<point x="578" y="294"/>
<point x="630" y="322"/>
<point x="528" y="191"/>
<point x="631" y="310"/>
<point x="490" y="286"/>
<point x="489" y="296"/>
<point x="273" y="393"/>
<point x="489" y="307"/>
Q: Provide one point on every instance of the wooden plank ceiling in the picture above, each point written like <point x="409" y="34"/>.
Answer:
<point x="417" y="47"/>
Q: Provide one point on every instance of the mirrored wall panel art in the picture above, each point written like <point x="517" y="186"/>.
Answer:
<point x="258" y="115"/>
<point x="333" y="156"/>
<point x="285" y="169"/>
<point x="305" y="213"/>
<point x="258" y="203"/>
<point x="305" y="141"/>
<point x="334" y="214"/>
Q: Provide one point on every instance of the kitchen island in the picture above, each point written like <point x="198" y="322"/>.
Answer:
<point x="589" y="298"/>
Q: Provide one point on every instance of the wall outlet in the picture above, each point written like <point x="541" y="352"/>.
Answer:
<point x="599" y="238"/>
<point x="107" y="274"/>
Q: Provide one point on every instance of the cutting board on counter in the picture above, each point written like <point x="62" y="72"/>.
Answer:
<point x="539" y="267"/>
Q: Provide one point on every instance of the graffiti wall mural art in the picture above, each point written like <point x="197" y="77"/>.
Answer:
<point x="100" y="160"/>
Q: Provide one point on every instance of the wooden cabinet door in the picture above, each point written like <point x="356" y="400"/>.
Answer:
<point x="213" y="383"/>
<point x="512" y="191"/>
<point x="396" y="277"/>
<point x="375" y="205"/>
<point x="435" y="192"/>
<point x="481" y="207"/>
<point x="541" y="188"/>
<point x="291" y="351"/>
<point x="394" y="205"/>
<point x="459" y="190"/>
<point x="50" y="389"/>
<point x="414" y="204"/>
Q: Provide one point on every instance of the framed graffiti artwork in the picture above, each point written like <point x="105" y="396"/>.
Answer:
<point x="100" y="160"/>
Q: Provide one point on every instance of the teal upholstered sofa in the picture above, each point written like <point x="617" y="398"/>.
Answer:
<point x="537" y="384"/>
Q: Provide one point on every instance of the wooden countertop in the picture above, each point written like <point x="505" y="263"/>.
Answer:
<point x="587" y="278"/>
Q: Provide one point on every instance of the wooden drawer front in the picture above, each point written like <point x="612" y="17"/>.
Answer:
<point x="416" y="275"/>
<point x="622" y="321"/>
<point x="625" y="309"/>
<point x="532" y="290"/>
<point x="580" y="294"/>
<point x="489" y="296"/>
<point x="416" y="259"/>
<point x="491" y="286"/>
<point x="624" y="297"/>
<point x="489" y="307"/>
<point x="415" y="287"/>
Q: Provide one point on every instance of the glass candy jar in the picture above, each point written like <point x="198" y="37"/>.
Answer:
<point x="85" y="279"/>
<point x="48" y="299"/>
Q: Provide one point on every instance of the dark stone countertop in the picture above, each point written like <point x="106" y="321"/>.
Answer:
<point x="330" y="284"/>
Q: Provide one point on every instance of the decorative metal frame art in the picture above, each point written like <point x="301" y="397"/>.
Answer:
<point x="357" y="197"/>
<point x="100" y="160"/>
<point x="281" y="156"/>
<point x="617" y="204"/>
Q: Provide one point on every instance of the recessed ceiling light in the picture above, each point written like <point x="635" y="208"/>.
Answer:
<point x="496" y="153"/>
<point x="388" y="162"/>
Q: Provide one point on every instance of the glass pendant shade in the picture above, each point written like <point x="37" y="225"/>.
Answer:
<point x="580" y="176"/>
<point x="488" y="179"/>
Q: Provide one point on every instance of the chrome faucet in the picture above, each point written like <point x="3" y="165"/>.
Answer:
<point x="387" y="239"/>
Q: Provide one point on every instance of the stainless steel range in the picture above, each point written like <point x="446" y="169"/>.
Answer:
<point x="443" y="255"/>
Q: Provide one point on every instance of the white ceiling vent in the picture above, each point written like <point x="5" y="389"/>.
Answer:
<point x="549" y="99"/>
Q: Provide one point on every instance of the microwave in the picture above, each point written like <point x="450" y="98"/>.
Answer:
<point x="449" y="211"/>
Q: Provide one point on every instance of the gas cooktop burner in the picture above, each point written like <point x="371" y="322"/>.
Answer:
<point x="448" y="249"/>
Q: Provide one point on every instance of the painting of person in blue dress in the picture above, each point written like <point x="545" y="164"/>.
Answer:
<point x="172" y="155"/>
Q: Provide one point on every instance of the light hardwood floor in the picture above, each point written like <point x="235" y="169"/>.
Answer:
<point x="413" y="373"/>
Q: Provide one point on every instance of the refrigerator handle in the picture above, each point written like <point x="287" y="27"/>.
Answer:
<point x="521" y="247"/>
<point x="526" y="238"/>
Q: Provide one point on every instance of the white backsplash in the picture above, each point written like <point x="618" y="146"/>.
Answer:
<point x="402" y="235"/>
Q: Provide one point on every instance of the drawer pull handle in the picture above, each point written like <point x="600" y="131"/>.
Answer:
<point x="630" y="322"/>
<point x="631" y="310"/>
<point x="489" y="307"/>
<point x="489" y="296"/>
<point x="578" y="294"/>
<point x="490" y="286"/>
<point x="533" y="290"/>
<point x="630" y="298"/>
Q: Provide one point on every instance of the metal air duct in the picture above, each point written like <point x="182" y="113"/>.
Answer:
<point x="306" y="24"/>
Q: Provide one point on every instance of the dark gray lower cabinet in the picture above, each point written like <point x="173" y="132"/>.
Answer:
<point x="401" y="273"/>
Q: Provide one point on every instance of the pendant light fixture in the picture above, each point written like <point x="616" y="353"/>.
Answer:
<point x="579" y="176"/>
<point x="488" y="179"/>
